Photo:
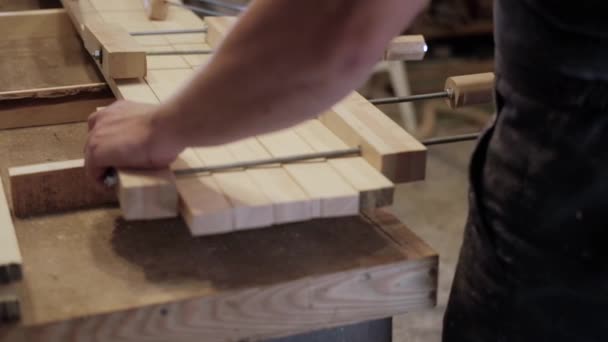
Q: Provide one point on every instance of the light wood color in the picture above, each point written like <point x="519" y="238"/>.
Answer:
<point x="10" y="255"/>
<point x="251" y="207"/>
<point x="154" y="281"/>
<point x="332" y="196"/>
<point x="384" y="144"/>
<point x="375" y="190"/>
<point x="121" y="56"/>
<point x="157" y="9"/>
<point x="217" y="29"/>
<point x="215" y="216"/>
<point x="147" y="195"/>
<point x="406" y="48"/>
<point x="290" y="202"/>
<point x="470" y="90"/>
<point x="54" y="187"/>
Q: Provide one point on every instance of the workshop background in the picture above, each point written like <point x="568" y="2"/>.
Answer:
<point x="459" y="35"/>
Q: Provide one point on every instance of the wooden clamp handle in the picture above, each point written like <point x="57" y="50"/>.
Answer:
<point x="156" y="9"/>
<point x="406" y="48"/>
<point x="470" y="89"/>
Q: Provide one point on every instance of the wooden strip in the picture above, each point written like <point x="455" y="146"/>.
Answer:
<point x="251" y="207"/>
<point x="290" y="201"/>
<point x="42" y="112"/>
<point x="217" y="29"/>
<point x="121" y="56"/>
<point x="147" y="195"/>
<point x="35" y="24"/>
<point x="54" y="187"/>
<point x="384" y="144"/>
<point x="374" y="188"/>
<point x="10" y="255"/>
<point x="331" y="195"/>
<point x="204" y="207"/>
<point x="53" y="92"/>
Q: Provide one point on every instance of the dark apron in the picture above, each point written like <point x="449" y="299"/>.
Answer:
<point x="534" y="262"/>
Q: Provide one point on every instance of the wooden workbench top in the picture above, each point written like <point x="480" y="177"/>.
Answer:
<point x="92" y="270"/>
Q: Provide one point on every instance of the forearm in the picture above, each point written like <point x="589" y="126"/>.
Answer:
<point x="285" y="61"/>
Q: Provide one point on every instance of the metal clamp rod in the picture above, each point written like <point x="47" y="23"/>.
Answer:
<point x="111" y="179"/>
<point x="271" y="161"/>
<point x="161" y="32"/>
<point x="389" y="100"/>
<point x="235" y="7"/>
<point x="182" y="52"/>
<point x="196" y="9"/>
<point x="450" y="139"/>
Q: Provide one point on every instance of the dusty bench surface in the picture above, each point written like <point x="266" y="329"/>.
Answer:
<point x="90" y="273"/>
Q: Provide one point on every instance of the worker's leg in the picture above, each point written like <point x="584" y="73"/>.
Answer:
<point x="534" y="263"/>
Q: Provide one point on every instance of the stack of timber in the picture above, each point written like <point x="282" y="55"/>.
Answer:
<point x="243" y="199"/>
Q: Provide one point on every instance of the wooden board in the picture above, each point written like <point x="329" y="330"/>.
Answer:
<point x="89" y="275"/>
<point x="10" y="255"/>
<point x="55" y="187"/>
<point x="385" y="145"/>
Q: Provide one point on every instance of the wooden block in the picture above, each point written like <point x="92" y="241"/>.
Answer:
<point x="330" y="194"/>
<point x="470" y="90"/>
<point x="10" y="309"/>
<point x="406" y="48"/>
<point x="217" y="29"/>
<point x="374" y="188"/>
<point x="251" y="207"/>
<point x="55" y="187"/>
<point x="156" y="9"/>
<point x="10" y="255"/>
<point x="384" y="144"/>
<point x="147" y="195"/>
<point x="290" y="201"/>
<point x="120" y="55"/>
<point x="203" y="205"/>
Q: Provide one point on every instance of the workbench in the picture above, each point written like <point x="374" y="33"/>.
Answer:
<point x="89" y="275"/>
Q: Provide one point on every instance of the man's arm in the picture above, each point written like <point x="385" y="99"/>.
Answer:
<point x="285" y="61"/>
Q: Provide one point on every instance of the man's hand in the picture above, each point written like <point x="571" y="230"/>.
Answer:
<point x="130" y="135"/>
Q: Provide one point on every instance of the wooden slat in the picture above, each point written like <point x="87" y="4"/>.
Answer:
<point x="217" y="29"/>
<point x="251" y="207"/>
<point x="385" y="145"/>
<point x="406" y="48"/>
<point x="290" y="202"/>
<point x="121" y="55"/>
<point x="374" y="188"/>
<point x="331" y="195"/>
<point x="55" y="187"/>
<point x="204" y="207"/>
<point x="10" y="255"/>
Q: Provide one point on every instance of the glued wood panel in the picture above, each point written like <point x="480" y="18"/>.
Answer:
<point x="250" y="206"/>
<point x="374" y="188"/>
<point x="331" y="195"/>
<point x="290" y="202"/>
<point x="204" y="207"/>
